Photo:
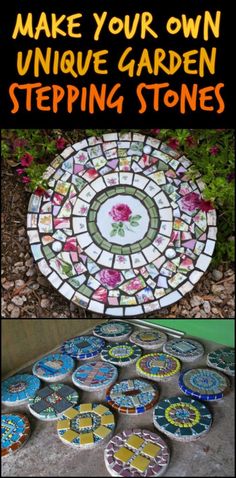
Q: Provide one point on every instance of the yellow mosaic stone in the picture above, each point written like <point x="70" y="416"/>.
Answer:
<point x="70" y="435"/>
<point x="85" y="422"/>
<point x="71" y="413"/>
<point x="179" y="423"/>
<point x="63" y="424"/>
<point x="134" y="441"/>
<point x="102" y="431"/>
<point x="100" y="410"/>
<point x="107" y="420"/>
<point x="85" y="407"/>
<point x="123" y="454"/>
<point x="86" y="438"/>
<point x="140" y="463"/>
<point x="151" y="449"/>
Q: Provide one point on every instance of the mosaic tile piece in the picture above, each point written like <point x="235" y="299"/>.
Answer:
<point x="204" y="383"/>
<point x="19" y="389"/>
<point x="133" y="396"/>
<point x="121" y="353"/>
<point x="182" y="418"/>
<point x="222" y="359"/>
<point x="113" y="331"/>
<point x="52" y="401"/>
<point x="150" y="456"/>
<point x="148" y="339"/>
<point x="187" y="350"/>
<point x="15" y="431"/>
<point x="89" y="425"/>
<point x="83" y="347"/>
<point x="94" y="376"/>
<point x="119" y="205"/>
<point x="158" y="366"/>
<point x="53" y="367"/>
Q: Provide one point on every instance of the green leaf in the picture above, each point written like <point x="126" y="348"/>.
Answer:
<point x="135" y="218"/>
<point x="134" y="223"/>
<point x="115" y="225"/>
<point x="121" y="232"/>
<point x="113" y="232"/>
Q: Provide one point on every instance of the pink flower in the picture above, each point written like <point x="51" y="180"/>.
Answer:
<point x="61" y="143"/>
<point x="26" y="180"/>
<point x="191" y="141"/>
<point x="120" y="212"/>
<point x="110" y="277"/>
<point x="191" y="201"/>
<point x="155" y="131"/>
<point x="134" y="284"/>
<point x="20" y="171"/>
<point x="214" y="150"/>
<point x="19" y="143"/>
<point x="92" y="172"/>
<point x="205" y="205"/>
<point x="41" y="192"/>
<point x="26" y="160"/>
<point x="173" y="143"/>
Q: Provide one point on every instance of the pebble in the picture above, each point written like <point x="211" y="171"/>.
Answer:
<point x="217" y="275"/>
<point x="207" y="307"/>
<point x="217" y="288"/>
<point x="19" y="283"/>
<point x="195" y="301"/>
<point x="8" y="285"/>
<point x="15" y="313"/>
<point x="31" y="272"/>
<point x="29" y="262"/>
<point x="45" y="303"/>
<point x="17" y="300"/>
<point x="43" y="281"/>
<point x="19" y="264"/>
<point x="21" y="231"/>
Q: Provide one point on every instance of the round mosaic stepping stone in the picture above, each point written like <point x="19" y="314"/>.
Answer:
<point x="113" y="331"/>
<point x="83" y="347"/>
<point x="182" y="418"/>
<point x="158" y="366"/>
<point x="94" y="376"/>
<point x="148" y="339"/>
<point x="15" y="431"/>
<point x="124" y="229"/>
<point x="86" y="425"/>
<point x="222" y="359"/>
<point x="121" y="353"/>
<point x="187" y="350"/>
<point x="52" y="401"/>
<point x="204" y="383"/>
<point x="53" y="367"/>
<point x="19" y="388"/>
<point x="132" y="396"/>
<point x="137" y="452"/>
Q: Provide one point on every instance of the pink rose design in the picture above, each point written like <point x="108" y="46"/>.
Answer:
<point x="120" y="212"/>
<point x="110" y="277"/>
<point x="191" y="201"/>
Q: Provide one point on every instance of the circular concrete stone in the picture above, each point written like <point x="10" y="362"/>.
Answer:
<point x="86" y="425"/>
<point x="52" y="401"/>
<point x="138" y="453"/>
<point x="148" y="339"/>
<point x="121" y="353"/>
<point x="83" y="347"/>
<point x="182" y="418"/>
<point x="15" y="431"/>
<point x="187" y="350"/>
<point x="53" y="367"/>
<point x="132" y="396"/>
<point x="158" y="366"/>
<point x="113" y="331"/>
<point x="222" y="359"/>
<point x="19" y="388"/>
<point x="204" y="383"/>
<point x="136" y="234"/>
<point x="94" y="376"/>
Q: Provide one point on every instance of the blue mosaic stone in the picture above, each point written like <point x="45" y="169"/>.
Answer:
<point x="94" y="376"/>
<point x="204" y="383"/>
<point x="53" y="367"/>
<point x="15" y="431"/>
<point x="19" y="388"/>
<point x="83" y="347"/>
<point x="113" y="331"/>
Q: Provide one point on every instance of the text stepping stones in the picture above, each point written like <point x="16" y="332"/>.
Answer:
<point x="158" y="366"/>
<point x="148" y="339"/>
<point x="204" y="383"/>
<point x="15" y="431"/>
<point x="222" y="359"/>
<point x="113" y="331"/>
<point x="53" y="367"/>
<point x="137" y="452"/>
<point x="52" y="401"/>
<point x="121" y="353"/>
<point x="19" y="388"/>
<point x="123" y="229"/>
<point x="132" y="396"/>
<point x="182" y="418"/>
<point x="95" y="376"/>
<point x="86" y="425"/>
<point x="187" y="350"/>
<point x="83" y="347"/>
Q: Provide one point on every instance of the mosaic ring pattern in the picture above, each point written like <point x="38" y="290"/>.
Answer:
<point x="137" y="452"/>
<point x="148" y="339"/>
<point x="19" y="389"/>
<point x="83" y="347"/>
<point x="121" y="232"/>
<point x="187" y="350"/>
<point x="52" y="401"/>
<point x="53" y="367"/>
<point x="158" y="366"/>
<point x="86" y="425"/>
<point x="94" y="376"/>
<point x="222" y="359"/>
<point x="132" y="396"/>
<point x="121" y="353"/>
<point x="204" y="383"/>
<point x="182" y="418"/>
<point x="113" y="331"/>
<point x="15" y="431"/>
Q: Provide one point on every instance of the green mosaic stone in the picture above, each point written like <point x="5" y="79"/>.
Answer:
<point x="155" y="222"/>
<point x="85" y="290"/>
<point x="139" y="195"/>
<point x="97" y="237"/>
<point x="126" y="250"/>
<point x="106" y="245"/>
<point x="131" y="190"/>
<point x="95" y="206"/>
<point x="92" y="227"/>
<point x="116" y="250"/>
<point x="102" y="198"/>
<point x="74" y="282"/>
<point x="144" y="243"/>
<point x="110" y="192"/>
<point x="149" y="202"/>
<point x="48" y="252"/>
<point x="135" y="247"/>
<point x="92" y="215"/>
<point x="162" y="166"/>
